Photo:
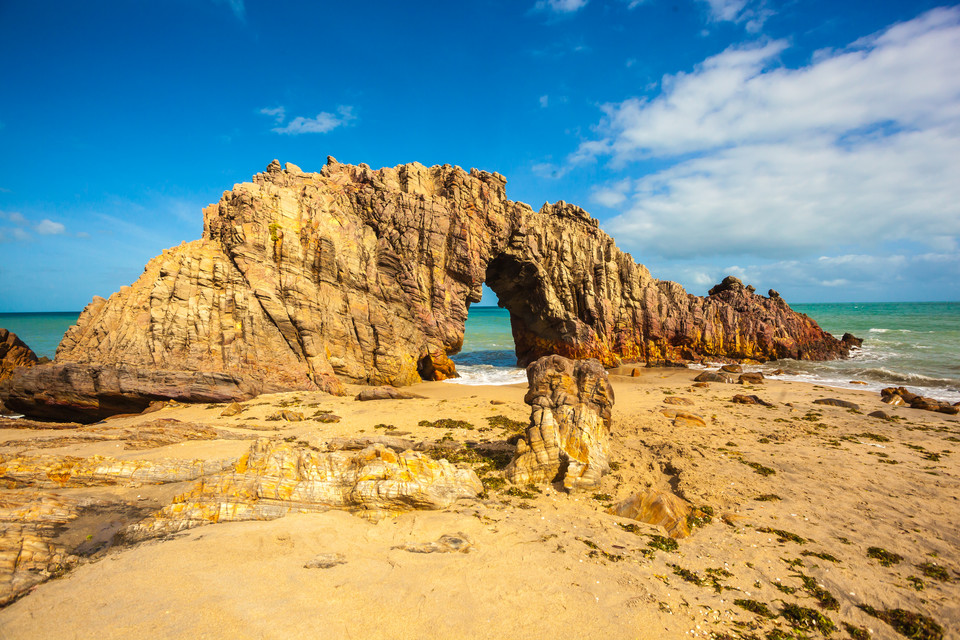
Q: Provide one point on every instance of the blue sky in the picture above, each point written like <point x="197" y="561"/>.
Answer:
<point x="812" y="147"/>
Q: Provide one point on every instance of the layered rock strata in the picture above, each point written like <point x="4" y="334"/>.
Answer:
<point x="309" y="280"/>
<point x="568" y="437"/>
<point x="274" y="479"/>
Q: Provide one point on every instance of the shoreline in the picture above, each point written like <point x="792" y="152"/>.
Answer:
<point x="543" y="561"/>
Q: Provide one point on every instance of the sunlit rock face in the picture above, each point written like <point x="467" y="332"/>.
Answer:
<point x="350" y="275"/>
<point x="568" y="438"/>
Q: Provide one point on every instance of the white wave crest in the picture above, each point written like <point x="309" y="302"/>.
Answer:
<point x="486" y="374"/>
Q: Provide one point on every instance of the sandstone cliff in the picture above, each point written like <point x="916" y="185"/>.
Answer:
<point x="308" y="280"/>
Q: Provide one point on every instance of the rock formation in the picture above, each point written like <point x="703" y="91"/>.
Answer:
<point x="274" y="479"/>
<point x="13" y="354"/>
<point x="309" y="280"/>
<point x="568" y="437"/>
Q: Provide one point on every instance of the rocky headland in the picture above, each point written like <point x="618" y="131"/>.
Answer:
<point x="309" y="281"/>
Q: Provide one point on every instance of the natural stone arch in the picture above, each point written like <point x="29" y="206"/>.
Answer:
<point x="353" y="275"/>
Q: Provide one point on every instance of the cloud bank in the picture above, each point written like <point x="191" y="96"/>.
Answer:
<point x="859" y="148"/>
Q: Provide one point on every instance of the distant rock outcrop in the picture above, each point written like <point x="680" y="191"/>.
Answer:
<point x="309" y="280"/>
<point x="13" y="354"/>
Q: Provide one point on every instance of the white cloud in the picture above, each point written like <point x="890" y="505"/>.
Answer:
<point x="859" y="147"/>
<point x="751" y="13"/>
<point x="16" y="218"/>
<point x="324" y="122"/>
<point x="544" y="102"/>
<point x="49" y="228"/>
<point x="923" y="276"/>
<point x="560" y="6"/>
<point x="277" y="113"/>
<point x="612" y="195"/>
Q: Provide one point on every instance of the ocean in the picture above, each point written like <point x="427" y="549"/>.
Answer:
<point x="911" y="344"/>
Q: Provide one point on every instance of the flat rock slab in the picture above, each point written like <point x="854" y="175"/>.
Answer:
<point x="386" y="393"/>
<point x="834" y="402"/>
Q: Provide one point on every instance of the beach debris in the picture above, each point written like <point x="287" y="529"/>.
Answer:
<point x="326" y="561"/>
<point x="568" y="437"/>
<point x="446" y="543"/>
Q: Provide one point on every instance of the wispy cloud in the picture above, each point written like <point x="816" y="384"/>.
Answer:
<point x="49" y="228"/>
<point x="859" y="147"/>
<point x="560" y="7"/>
<point x="751" y="13"/>
<point x="277" y="113"/>
<point x="323" y="122"/>
<point x="238" y="8"/>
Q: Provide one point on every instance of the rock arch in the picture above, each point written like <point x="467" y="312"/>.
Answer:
<point x="350" y="275"/>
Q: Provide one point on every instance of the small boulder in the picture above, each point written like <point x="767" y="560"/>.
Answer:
<point x="851" y="340"/>
<point x="882" y="415"/>
<point x="677" y="400"/>
<point x="744" y="399"/>
<point x="731" y="368"/>
<point x="635" y="373"/>
<point x="752" y="377"/>
<point x="234" y="409"/>
<point x="662" y="509"/>
<point x="713" y="376"/>
<point x="684" y="419"/>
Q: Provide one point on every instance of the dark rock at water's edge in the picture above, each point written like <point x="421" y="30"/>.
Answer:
<point x="350" y="275"/>
<point x="898" y="396"/>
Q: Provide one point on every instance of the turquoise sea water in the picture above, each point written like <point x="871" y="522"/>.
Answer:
<point x="916" y="345"/>
<point x="40" y="331"/>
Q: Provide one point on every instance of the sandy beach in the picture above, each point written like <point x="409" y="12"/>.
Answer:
<point x="799" y="492"/>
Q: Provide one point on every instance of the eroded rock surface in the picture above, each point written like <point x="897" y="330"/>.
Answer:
<point x="276" y="478"/>
<point x="309" y="280"/>
<point x="568" y="437"/>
